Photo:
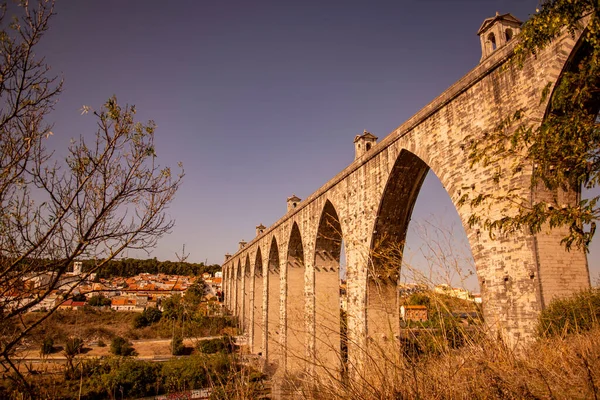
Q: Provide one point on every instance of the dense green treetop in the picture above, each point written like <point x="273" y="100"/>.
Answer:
<point x="127" y="267"/>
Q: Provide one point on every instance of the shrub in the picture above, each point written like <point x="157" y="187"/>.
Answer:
<point x="575" y="314"/>
<point x="120" y="346"/>
<point x="177" y="347"/>
<point x="149" y="316"/>
<point x="218" y="345"/>
<point x="152" y="314"/>
<point x="130" y="378"/>
<point x="99" y="301"/>
<point x="73" y="347"/>
<point x="139" y="321"/>
<point x="47" y="346"/>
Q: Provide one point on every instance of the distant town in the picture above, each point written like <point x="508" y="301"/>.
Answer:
<point x="134" y="293"/>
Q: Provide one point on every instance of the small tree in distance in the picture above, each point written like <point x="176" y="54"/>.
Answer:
<point x="99" y="301"/>
<point x="109" y="193"/>
<point x="177" y="347"/>
<point x="120" y="346"/>
<point x="47" y="346"/>
<point x="73" y="347"/>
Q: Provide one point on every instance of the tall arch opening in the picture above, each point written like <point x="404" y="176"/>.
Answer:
<point x="571" y="121"/>
<point x="328" y="249"/>
<point x="257" y="281"/>
<point x="273" y="350"/>
<point x="492" y="42"/>
<point x="239" y="298"/>
<point x="229" y="287"/>
<point x="389" y="233"/>
<point x="247" y="281"/>
<point x="225" y="286"/>
<point x="295" y="303"/>
<point x="419" y="244"/>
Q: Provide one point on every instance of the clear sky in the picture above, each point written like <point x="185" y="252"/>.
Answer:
<point x="262" y="99"/>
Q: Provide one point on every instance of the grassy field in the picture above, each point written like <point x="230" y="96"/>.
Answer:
<point x="95" y="327"/>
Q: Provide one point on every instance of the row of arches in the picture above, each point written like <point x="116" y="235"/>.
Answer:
<point x="285" y="284"/>
<point x="287" y="287"/>
<point x="256" y="292"/>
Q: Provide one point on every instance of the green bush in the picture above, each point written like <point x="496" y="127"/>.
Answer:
<point x="73" y="347"/>
<point x="152" y="314"/>
<point x="218" y="345"/>
<point x="139" y="321"/>
<point x="47" y="346"/>
<point x="121" y="347"/>
<point x="149" y="316"/>
<point x="99" y="301"/>
<point x="127" y="378"/>
<point x="575" y="314"/>
<point x="177" y="347"/>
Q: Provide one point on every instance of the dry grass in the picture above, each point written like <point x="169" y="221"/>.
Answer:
<point x="557" y="368"/>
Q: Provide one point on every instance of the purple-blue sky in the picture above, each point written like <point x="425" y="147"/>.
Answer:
<point x="262" y="99"/>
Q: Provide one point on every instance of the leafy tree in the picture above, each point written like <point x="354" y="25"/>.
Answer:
<point x="107" y="195"/>
<point x="419" y="299"/>
<point x="177" y="347"/>
<point x="73" y="347"/>
<point x="223" y="344"/>
<point x="120" y="346"/>
<point x="173" y="307"/>
<point x="99" y="301"/>
<point x="561" y="153"/>
<point x="147" y="317"/>
<point x="139" y="321"/>
<point x="193" y="296"/>
<point x="152" y="314"/>
<point x="130" y="267"/>
<point x="47" y="346"/>
<point x="131" y="378"/>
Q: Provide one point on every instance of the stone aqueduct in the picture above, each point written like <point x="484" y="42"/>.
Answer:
<point x="284" y="284"/>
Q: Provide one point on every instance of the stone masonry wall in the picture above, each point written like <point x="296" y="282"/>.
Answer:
<point x="518" y="274"/>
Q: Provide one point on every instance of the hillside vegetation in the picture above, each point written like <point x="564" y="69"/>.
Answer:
<point x="127" y="267"/>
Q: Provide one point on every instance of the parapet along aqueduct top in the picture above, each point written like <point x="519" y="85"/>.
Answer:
<point x="284" y="284"/>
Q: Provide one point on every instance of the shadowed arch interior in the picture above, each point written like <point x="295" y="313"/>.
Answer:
<point x="327" y="290"/>
<point x="247" y="285"/>
<point x="257" y="304"/>
<point x="238" y="289"/>
<point x="295" y="303"/>
<point x="273" y="350"/>
<point x="586" y="110"/>
<point x="389" y="234"/>
<point x="393" y="217"/>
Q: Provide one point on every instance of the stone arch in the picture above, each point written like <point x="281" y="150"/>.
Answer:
<point x="247" y="287"/>
<point x="238" y="291"/>
<point x="273" y="342"/>
<point x="295" y="302"/>
<point x="227" y="286"/>
<point x="328" y="247"/>
<point x="491" y="39"/>
<point x="389" y="232"/>
<point x="257" y="304"/>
